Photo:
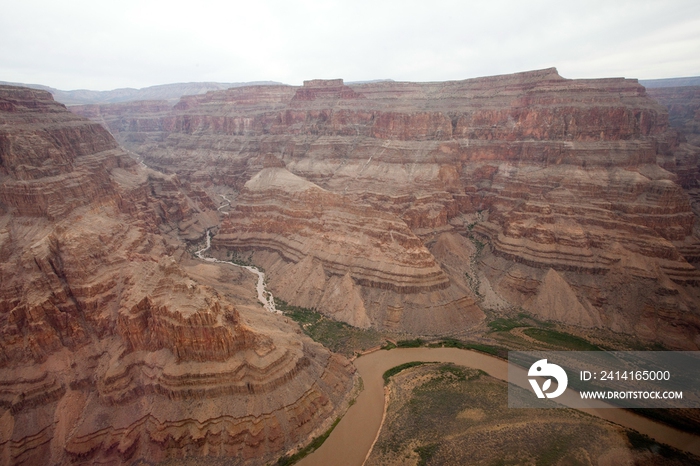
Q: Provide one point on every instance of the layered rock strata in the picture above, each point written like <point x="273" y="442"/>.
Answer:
<point x="109" y="351"/>
<point x="576" y="176"/>
<point x="341" y="251"/>
<point x="683" y="104"/>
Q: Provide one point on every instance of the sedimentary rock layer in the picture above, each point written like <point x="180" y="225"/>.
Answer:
<point x="285" y="213"/>
<point x="583" y="177"/>
<point x="109" y="351"/>
<point x="355" y="263"/>
<point x="683" y="104"/>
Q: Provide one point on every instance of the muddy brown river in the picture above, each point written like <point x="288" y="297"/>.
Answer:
<point x="349" y="444"/>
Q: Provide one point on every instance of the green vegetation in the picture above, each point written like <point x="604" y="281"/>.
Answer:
<point x="417" y="343"/>
<point x="681" y="419"/>
<point x="641" y="442"/>
<point x="395" y="370"/>
<point x="425" y="452"/>
<point x="235" y="258"/>
<point x="513" y="332"/>
<point x="310" y="448"/>
<point x="561" y="339"/>
<point x="453" y="372"/>
<point x="504" y="324"/>
<point x="389" y="346"/>
<point x="474" y="284"/>
<point x="336" y="336"/>
<point x="479" y="246"/>
<point x="493" y="350"/>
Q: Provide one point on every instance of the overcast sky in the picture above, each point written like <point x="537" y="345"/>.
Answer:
<point x="103" y="45"/>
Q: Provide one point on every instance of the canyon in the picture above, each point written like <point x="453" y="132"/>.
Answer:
<point x="412" y="209"/>
<point x="115" y="343"/>
<point x="370" y="202"/>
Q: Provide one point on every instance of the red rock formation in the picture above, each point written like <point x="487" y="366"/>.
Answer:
<point x="129" y="117"/>
<point x="324" y="89"/>
<point x="342" y="251"/>
<point x="575" y="176"/>
<point x="109" y="351"/>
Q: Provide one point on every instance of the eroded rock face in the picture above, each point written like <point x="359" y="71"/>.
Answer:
<point x="581" y="177"/>
<point x="683" y="104"/>
<point x="329" y="253"/>
<point x="109" y="351"/>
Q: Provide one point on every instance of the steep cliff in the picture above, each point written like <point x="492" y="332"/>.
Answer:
<point x="577" y="182"/>
<point x="109" y="350"/>
<point x="683" y="104"/>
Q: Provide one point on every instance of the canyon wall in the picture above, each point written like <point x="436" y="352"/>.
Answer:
<point x="110" y="351"/>
<point x="683" y="105"/>
<point x="580" y="188"/>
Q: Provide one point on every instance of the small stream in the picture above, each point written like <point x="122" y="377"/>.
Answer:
<point x="264" y="296"/>
<point x="222" y="206"/>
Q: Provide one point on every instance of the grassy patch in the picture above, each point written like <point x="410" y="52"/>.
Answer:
<point x="504" y="324"/>
<point x="493" y="350"/>
<point x="395" y="370"/>
<point x="336" y="336"/>
<point x="561" y="339"/>
<point x="310" y="448"/>
<point x="417" y="343"/>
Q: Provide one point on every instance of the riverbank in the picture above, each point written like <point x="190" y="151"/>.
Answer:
<point x="352" y="439"/>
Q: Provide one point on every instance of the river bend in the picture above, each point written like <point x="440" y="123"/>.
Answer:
<point x="349" y="444"/>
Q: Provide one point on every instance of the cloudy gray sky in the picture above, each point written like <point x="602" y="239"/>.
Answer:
<point x="101" y="45"/>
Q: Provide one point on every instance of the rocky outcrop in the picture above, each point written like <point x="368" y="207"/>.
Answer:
<point x="285" y="213"/>
<point x="109" y="351"/>
<point x="341" y="250"/>
<point x="583" y="177"/>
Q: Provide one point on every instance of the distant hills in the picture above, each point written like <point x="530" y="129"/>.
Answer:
<point x="671" y="82"/>
<point x="173" y="92"/>
<point x="169" y="92"/>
